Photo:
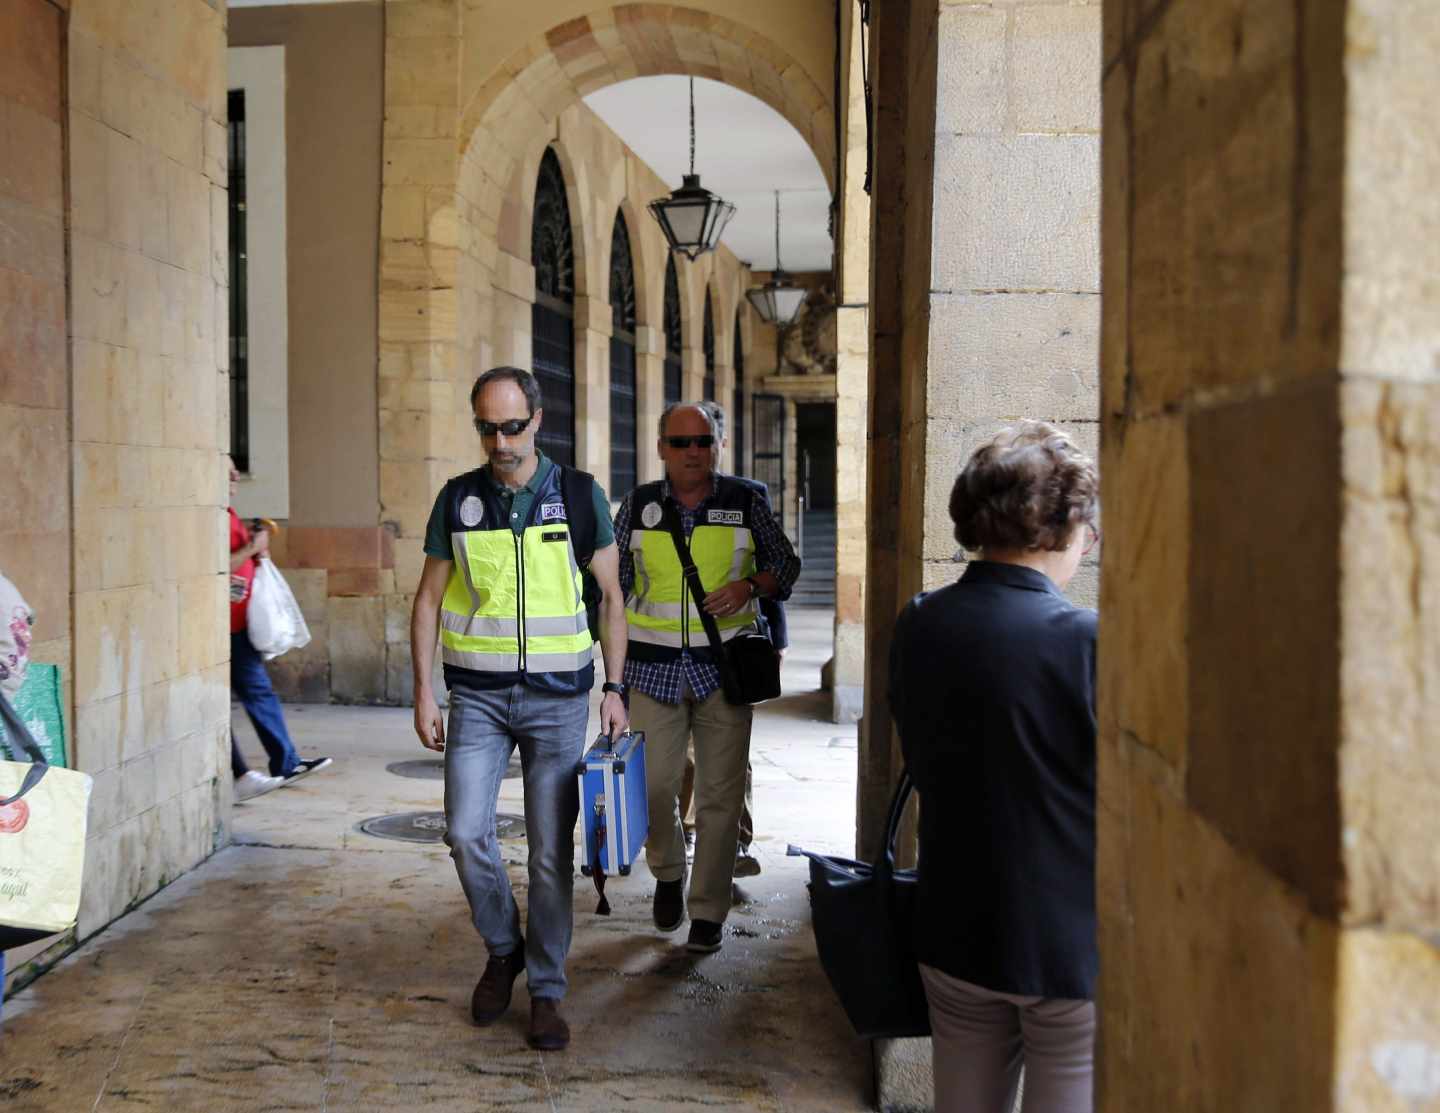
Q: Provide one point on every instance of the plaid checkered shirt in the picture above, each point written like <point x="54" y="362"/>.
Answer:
<point x="668" y="681"/>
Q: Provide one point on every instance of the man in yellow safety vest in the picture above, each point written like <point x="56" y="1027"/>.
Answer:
<point x="503" y="585"/>
<point x="742" y="555"/>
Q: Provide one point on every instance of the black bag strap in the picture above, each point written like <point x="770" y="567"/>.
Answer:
<point x="16" y="730"/>
<point x="892" y="824"/>
<point x="577" y="492"/>
<point x="692" y="579"/>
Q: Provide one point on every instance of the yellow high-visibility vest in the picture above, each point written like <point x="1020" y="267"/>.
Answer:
<point x="514" y="603"/>
<point x="663" y="617"/>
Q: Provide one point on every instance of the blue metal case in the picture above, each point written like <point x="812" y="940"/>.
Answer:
<point x="614" y="808"/>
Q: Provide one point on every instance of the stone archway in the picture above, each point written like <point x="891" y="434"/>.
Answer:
<point x="470" y="105"/>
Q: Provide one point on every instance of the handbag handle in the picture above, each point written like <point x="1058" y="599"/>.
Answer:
<point x="892" y="824"/>
<point x="17" y="730"/>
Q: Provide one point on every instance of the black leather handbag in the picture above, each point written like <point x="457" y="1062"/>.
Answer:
<point x="863" y="914"/>
<point x="749" y="664"/>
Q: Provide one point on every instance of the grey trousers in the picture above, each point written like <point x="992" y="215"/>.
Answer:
<point x="549" y="730"/>
<point x="981" y="1039"/>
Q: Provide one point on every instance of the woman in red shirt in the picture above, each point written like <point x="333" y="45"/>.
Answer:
<point x="248" y="678"/>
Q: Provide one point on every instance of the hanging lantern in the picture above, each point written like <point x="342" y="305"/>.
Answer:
<point x="692" y="217"/>
<point x="778" y="300"/>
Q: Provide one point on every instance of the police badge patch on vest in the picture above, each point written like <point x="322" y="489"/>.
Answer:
<point x="472" y="512"/>
<point x="650" y="516"/>
<point x="552" y="512"/>
<point x="725" y="517"/>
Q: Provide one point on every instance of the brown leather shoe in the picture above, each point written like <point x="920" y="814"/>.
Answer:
<point x="492" y="991"/>
<point x="548" y="1030"/>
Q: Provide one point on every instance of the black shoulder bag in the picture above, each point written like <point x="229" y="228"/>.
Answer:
<point x="749" y="666"/>
<point x="863" y="914"/>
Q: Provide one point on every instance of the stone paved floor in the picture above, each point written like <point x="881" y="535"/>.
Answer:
<point x="312" y="967"/>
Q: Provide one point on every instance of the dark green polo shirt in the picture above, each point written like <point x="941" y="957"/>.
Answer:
<point x="437" y="538"/>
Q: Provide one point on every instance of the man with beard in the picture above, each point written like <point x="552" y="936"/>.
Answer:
<point x="505" y="552"/>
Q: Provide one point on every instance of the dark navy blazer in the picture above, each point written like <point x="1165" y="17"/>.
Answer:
<point x="992" y="684"/>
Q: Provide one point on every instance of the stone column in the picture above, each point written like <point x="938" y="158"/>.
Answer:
<point x="986" y="206"/>
<point x="725" y="395"/>
<point x="984" y="305"/>
<point x="1270" y="797"/>
<point x="847" y="671"/>
<point x="692" y="372"/>
<point x="650" y="399"/>
<point x="421" y="425"/>
<point x="789" y="511"/>
<point x="148" y="337"/>
<point x="593" y="328"/>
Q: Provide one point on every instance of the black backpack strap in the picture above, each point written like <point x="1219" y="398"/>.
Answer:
<point x="577" y="491"/>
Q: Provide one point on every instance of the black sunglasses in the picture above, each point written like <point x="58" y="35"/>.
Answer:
<point x="704" y="440"/>
<point x="512" y="428"/>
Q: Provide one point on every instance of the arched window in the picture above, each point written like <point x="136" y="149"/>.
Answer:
<point x="552" y="318"/>
<point x="737" y="407"/>
<point x="673" y="342"/>
<point x="623" y="415"/>
<point x="708" y="338"/>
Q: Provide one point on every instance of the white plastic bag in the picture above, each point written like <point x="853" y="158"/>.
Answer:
<point x="273" y="620"/>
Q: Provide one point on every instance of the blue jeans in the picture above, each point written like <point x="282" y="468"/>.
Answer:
<point x="485" y="727"/>
<point x="251" y="683"/>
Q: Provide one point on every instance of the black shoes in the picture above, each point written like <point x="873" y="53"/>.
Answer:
<point x="548" y="1030"/>
<point x="305" y="768"/>
<point x="669" y="906"/>
<point x="492" y="992"/>
<point x="704" y="937"/>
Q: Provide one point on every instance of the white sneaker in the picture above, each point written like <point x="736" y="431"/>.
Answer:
<point x="253" y="784"/>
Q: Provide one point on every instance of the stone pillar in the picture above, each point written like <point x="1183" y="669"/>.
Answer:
<point x="847" y="672"/>
<point x="692" y="372"/>
<point x="593" y="328"/>
<point x="725" y="395"/>
<point x="1271" y="599"/>
<point x="984" y="305"/>
<point x="421" y="407"/>
<point x="149" y="343"/>
<point x="650" y="400"/>
<point x="789" y="511"/>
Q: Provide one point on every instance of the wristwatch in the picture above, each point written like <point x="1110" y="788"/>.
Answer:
<point x="754" y="587"/>
<point x="621" y="690"/>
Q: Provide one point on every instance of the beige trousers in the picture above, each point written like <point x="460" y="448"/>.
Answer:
<point x="981" y="1039"/>
<point x="722" y="749"/>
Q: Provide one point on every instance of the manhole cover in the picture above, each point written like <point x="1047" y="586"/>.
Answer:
<point x="430" y="826"/>
<point x="433" y="769"/>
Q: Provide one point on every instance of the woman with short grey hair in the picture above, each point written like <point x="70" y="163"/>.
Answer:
<point x="993" y="689"/>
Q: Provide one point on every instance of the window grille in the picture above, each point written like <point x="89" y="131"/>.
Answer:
<point x="239" y="289"/>
<point x="552" y="317"/>
<point x="708" y="342"/>
<point x="737" y="406"/>
<point x="674" y="345"/>
<point x="624" y="417"/>
<point x="769" y="466"/>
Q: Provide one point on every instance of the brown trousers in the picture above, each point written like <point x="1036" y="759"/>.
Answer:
<point x="687" y="801"/>
<point x="721" y="734"/>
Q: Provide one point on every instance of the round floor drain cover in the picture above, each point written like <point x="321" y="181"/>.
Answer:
<point x="433" y="769"/>
<point x="430" y="826"/>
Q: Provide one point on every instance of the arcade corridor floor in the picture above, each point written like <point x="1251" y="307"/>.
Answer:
<point x="312" y="966"/>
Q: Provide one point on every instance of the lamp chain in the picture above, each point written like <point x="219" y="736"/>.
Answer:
<point x="692" y="125"/>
